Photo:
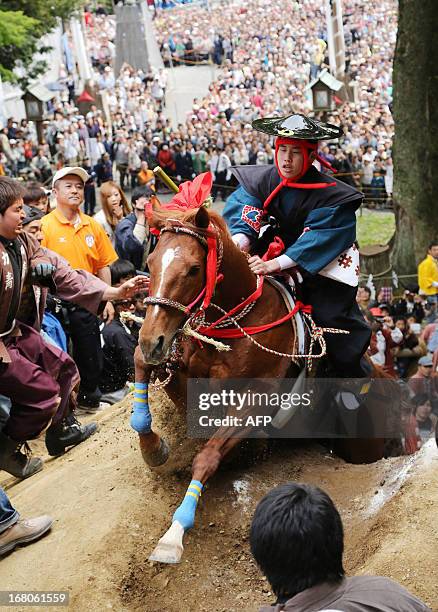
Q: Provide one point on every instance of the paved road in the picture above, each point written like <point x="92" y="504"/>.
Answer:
<point x="130" y="38"/>
<point x="184" y="84"/>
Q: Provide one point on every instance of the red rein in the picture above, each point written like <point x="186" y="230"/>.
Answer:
<point x="212" y="279"/>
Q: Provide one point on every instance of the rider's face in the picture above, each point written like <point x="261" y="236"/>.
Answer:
<point x="290" y="160"/>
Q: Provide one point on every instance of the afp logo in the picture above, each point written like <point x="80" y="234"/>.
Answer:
<point x="252" y="216"/>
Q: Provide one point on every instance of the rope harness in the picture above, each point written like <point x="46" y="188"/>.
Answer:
<point x="198" y="328"/>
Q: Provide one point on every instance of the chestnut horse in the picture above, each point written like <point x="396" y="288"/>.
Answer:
<point x="180" y="277"/>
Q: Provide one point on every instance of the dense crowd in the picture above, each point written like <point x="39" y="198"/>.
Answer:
<point x="404" y="343"/>
<point x="257" y="75"/>
<point x="266" y="74"/>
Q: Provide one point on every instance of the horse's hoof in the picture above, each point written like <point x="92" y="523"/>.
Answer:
<point x="158" y="457"/>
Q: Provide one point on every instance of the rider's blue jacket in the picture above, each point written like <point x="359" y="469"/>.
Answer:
<point x="316" y="225"/>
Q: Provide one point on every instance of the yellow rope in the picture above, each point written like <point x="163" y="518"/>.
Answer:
<point x="188" y="331"/>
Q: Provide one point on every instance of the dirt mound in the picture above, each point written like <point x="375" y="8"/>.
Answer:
<point x="110" y="510"/>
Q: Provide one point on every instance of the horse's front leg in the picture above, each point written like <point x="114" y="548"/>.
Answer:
<point x="154" y="449"/>
<point x="170" y="547"/>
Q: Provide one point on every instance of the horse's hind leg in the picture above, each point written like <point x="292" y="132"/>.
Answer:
<point x="154" y="449"/>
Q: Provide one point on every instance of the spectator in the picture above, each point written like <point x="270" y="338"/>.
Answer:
<point x="41" y="166"/>
<point x="384" y="297"/>
<point x="89" y="188"/>
<point x="220" y="165"/>
<point x="146" y="176"/>
<point x="36" y="196"/>
<point x="139" y="305"/>
<point x="183" y="164"/>
<point x="134" y="241"/>
<point x="104" y="170"/>
<point x="377" y="187"/>
<point x="121" y="156"/>
<point x="52" y="330"/>
<point x="428" y="280"/>
<point x="199" y="159"/>
<point x="343" y="166"/>
<point x="385" y="337"/>
<point x="363" y="298"/>
<point x="425" y="380"/>
<point x="134" y="163"/>
<point x="297" y="540"/>
<point x="120" y="340"/>
<point x="157" y="92"/>
<point x="409" y="304"/>
<point x="121" y="271"/>
<point x="166" y="160"/>
<point x="408" y="350"/>
<point x="425" y="419"/>
<point x="389" y="178"/>
<point x="84" y="244"/>
<point x="430" y="336"/>
<point x="114" y="208"/>
<point x="38" y="378"/>
<point x="367" y="176"/>
<point x="15" y="531"/>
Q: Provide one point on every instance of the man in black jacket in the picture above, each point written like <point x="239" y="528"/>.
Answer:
<point x="134" y="241"/>
<point x="120" y="340"/>
<point x="184" y="163"/>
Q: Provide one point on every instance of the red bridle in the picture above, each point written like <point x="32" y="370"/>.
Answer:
<point x="210" y="243"/>
<point x="213" y="245"/>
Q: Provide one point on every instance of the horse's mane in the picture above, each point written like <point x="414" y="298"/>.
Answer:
<point x="160" y="216"/>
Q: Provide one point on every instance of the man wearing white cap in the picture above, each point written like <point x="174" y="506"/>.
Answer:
<point x="84" y="244"/>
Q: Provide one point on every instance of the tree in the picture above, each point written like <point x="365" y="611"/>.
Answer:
<point x="23" y="23"/>
<point x="46" y="13"/>
<point x="16" y="41"/>
<point x="415" y="150"/>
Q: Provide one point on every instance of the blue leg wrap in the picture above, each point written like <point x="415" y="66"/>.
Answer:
<point x="141" y="418"/>
<point x="185" y="513"/>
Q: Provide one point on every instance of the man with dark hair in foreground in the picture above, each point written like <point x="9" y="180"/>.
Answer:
<point x="297" y="540"/>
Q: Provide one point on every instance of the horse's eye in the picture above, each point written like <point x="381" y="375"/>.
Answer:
<point x="193" y="270"/>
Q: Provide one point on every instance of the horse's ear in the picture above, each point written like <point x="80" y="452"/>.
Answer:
<point x="202" y="219"/>
<point x="153" y="216"/>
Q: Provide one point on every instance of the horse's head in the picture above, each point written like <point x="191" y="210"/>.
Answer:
<point x="178" y="275"/>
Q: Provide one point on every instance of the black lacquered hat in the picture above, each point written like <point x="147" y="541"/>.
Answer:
<point x="32" y="214"/>
<point x="297" y="126"/>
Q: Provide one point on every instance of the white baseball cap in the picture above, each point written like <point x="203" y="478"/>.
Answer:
<point x="80" y="172"/>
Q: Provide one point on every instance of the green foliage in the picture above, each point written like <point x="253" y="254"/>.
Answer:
<point x="45" y="12"/>
<point x="374" y="227"/>
<point x="22" y="24"/>
<point x="16" y="40"/>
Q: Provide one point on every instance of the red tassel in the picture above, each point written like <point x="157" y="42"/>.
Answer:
<point x="274" y="249"/>
<point x="210" y="272"/>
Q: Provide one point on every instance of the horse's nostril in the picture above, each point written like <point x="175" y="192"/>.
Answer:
<point x="159" y="345"/>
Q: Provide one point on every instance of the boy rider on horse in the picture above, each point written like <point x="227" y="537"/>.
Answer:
<point x="314" y="216"/>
